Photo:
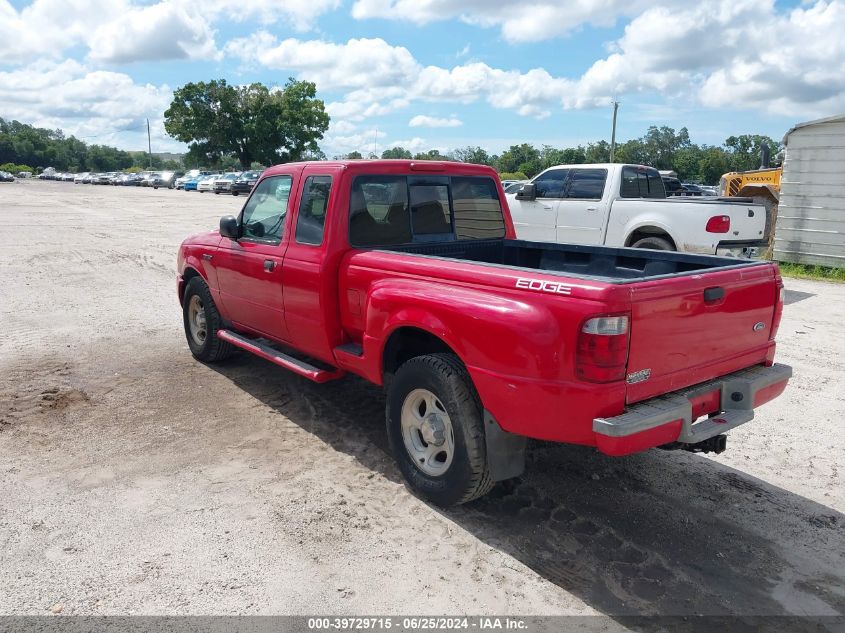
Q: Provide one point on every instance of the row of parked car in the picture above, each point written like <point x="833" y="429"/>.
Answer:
<point x="153" y="179"/>
<point x="232" y="182"/>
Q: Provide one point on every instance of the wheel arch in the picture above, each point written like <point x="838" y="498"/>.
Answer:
<point x="405" y="342"/>
<point x="649" y="229"/>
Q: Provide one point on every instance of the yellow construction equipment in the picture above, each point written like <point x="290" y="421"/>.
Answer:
<point x="748" y="184"/>
<point x="761" y="185"/>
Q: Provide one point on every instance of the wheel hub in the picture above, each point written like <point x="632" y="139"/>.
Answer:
<point x="427" y="432"/>
<point x="433" y="430"/>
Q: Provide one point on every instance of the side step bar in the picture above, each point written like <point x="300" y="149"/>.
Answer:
<point x="280" y="358"/>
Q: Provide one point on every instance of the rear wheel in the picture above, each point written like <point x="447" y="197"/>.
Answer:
<point x="202" y="320"/>
<point x="654" y="243"/>
<point x="436" y="432"/>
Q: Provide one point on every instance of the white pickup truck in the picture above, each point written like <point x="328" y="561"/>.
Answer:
<point x="626" y="205"/>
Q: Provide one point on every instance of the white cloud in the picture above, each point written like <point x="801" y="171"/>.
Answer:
<point x="301" y="14"/>
<point x="358" y="63"/>
<point x="413" y="145"/>
<point x="49" y="27"/>
<point x="422" y="120"/>
<point x="379" y="78"/>
<point x="94" y="105"/>
<point x="124" y="31"/>
<point x="537" y="20"/>
<point x="742" y="54"/>
<point x="365" y="142"/>
<point x="160" y="31"/>
<point x="730" y="53"/>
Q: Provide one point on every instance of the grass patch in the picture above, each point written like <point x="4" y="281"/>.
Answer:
<point x="808" y="271"/>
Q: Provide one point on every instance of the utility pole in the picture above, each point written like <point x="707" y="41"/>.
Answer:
<point x="613" y="133"/>
<point x="149" y="145"/>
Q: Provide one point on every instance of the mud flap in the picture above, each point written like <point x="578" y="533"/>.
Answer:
<point x="505" y="451"/>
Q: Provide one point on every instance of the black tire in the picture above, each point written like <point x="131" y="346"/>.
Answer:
<point x="234" y="193"/>
<point x="467" y="477"/>
<point x="654" y="243"/>
<point x="216" y="193"/>
<point x="212" y="349"/>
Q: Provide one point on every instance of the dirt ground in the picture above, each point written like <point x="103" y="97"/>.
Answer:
<point x="135" y="480"/>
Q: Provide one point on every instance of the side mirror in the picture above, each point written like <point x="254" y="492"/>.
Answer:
<point x="229" y="227"/>
<point x="527" y="192"/>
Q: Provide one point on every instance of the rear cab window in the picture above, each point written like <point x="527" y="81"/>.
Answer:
<point x="311" y="219"/>
<point x="393" y="210"/>
<point x="641" y="182"/>
<point x="586" y="184"/>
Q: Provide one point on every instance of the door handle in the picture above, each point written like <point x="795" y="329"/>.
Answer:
<point x="591" y="208"/>
<point x="207" y="256"/>
<point x="269" y="265"/>
<point x="547" y="208"/>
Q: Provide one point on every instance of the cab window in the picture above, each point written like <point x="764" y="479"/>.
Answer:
<point x="311" y="219"/>
<point x="587" y="184"/>
<point x="550" y="184"/>
<point x="263" y="217"/>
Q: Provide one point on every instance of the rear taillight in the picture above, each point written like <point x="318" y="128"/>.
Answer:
<point x="779" y="298"/>
<point x="602" y="354"/>
<point x="719" y="224"/>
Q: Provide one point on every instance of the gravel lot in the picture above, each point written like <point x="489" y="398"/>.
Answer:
<point x="134" y="480"/>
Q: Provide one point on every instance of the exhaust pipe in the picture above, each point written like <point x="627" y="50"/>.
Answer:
<point x="716" y="444"/>
<point x="765" y="156"/>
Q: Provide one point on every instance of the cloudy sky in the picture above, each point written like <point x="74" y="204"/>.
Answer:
<point x="432" y="73"/>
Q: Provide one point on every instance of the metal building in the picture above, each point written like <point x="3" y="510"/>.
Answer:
<point x="810" y="227"/>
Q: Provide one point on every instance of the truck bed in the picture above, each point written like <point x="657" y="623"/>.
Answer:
<point x="602" y="263"/>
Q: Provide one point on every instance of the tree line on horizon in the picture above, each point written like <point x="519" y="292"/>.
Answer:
<point x="252" y="126"/>
<point x="660" y="147"/>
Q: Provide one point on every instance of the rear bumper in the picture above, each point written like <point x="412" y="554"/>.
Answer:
<point x="747" y="250"/>
<point x="671" y="418"/>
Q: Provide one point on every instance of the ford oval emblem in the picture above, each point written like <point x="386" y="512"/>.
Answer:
<point x="759" y="326"/>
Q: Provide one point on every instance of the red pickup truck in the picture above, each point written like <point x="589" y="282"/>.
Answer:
<point x="408" y="274"/>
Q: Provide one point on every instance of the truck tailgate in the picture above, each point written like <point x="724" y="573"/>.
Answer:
<point x="748" y="221"/>
<point x="694" y="328"/>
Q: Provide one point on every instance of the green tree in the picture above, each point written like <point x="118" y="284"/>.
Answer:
<point x="353" y="156"/>
<point x="475" y="155"/>
<point x="598" y="152"/>
<point x="713" y="163"/>
<point x="512" y="175"/>
<point x="252" y="122"/>
<point x="432" y="154"/>
<point x="396" y="152"/>
<point x="687" y="161"/>
<point x="524" y="158"/>
<point x="744" y="150"/>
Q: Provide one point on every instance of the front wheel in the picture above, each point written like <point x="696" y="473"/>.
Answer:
<point x="435" y="428"/>
<point x="202" y="320"/>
